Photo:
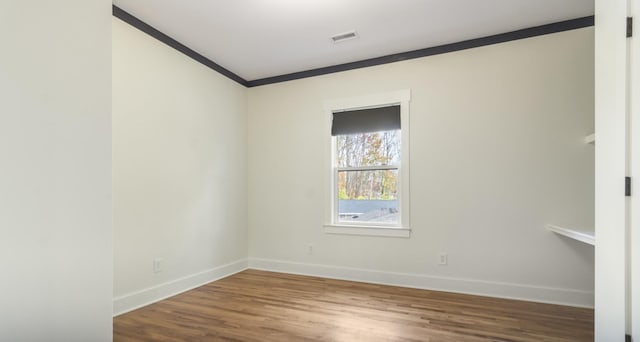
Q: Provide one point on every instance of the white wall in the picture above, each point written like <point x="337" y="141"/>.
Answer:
<point x="179" y="170"/>
<point x="496" y="153"/>
<point x="611" y="168"/>
<point x="55" y="171"/>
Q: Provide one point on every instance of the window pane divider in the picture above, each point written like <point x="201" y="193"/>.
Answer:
<point x="369" y="168"/>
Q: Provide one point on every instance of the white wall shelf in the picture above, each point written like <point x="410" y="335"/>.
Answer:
<point x="587" y="237"/>
<point x="590" y="139"/>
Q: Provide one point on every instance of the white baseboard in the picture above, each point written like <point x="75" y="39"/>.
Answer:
<point x="138" y="299"/>
<point x="548" y="295"/>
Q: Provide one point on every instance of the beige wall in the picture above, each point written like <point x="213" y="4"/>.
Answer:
<point x="55" y="171"/>
<point x="179" y="170"/>
<point x="496" y="154"/>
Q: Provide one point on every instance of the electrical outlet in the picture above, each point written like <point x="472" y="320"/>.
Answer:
<point x="310" y="249"/>
<point x="157" y="265"/>
<point x="443" y="259"/>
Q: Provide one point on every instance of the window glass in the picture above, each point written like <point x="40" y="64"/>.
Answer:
<point x="367" y="177"/>
<point x="368" y="149"/>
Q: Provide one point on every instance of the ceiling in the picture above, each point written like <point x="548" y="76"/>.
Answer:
<point x="257" y="39"/>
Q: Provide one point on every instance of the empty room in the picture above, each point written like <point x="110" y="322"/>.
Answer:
<point x="340" y="170"/>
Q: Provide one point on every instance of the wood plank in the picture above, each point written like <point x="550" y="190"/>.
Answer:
<point x="266" y="306"/>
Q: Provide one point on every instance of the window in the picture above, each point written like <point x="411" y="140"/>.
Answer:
<point x="369" y="190"/>
<point x="367" y="159"/>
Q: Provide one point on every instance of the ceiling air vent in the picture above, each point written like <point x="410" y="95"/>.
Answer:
<point x="341" y="37"/>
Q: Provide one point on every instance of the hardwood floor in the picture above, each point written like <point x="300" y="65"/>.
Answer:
<point x="265" y="306"/>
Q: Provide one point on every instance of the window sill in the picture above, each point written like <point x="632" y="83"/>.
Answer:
<point x="399" y="232"/>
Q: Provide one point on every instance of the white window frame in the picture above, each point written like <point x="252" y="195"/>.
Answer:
<point x="400" y="229"/>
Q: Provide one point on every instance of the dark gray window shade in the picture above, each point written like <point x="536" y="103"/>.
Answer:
<point x="366" y="120"/>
